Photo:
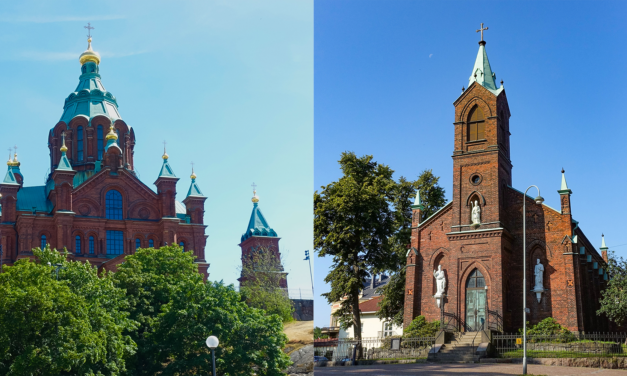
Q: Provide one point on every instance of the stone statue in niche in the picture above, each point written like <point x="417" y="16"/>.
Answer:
<point x="476" y="213"/>
<point x="440" y="283"/>
<point x="538" y="272"/>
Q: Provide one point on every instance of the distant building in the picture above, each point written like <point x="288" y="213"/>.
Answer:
<point x="259" y="236"/>
<point x="93" y="202"/>
<point x="372" y="326"/>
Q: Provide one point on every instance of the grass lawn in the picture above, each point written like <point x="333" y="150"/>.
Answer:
<point x="557" y="354"/>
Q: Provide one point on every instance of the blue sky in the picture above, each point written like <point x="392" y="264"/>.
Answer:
<point x="387" y="73"/>
<point x="228" y="84"/>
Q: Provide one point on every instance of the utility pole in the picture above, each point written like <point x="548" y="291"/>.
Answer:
<point x="310" y="275"/>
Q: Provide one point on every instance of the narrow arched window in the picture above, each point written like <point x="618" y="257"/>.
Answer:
<point x="475" y="280"/>
<point x="113" y="203"/>
<point x="100" y="142"/>
<point x="78" y="245"/>
<point x="476" y="125"/>
<point x="91" y="245"/>
<point x="138" y="243"/>
<point x="44" y="241"/>
<point x="182" y="244"/>
<point x="151" y="243"/>
<point x="79" y="143"/>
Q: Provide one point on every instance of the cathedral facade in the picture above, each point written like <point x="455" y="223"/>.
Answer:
<point x="465" y="263"/>
<point x="93" y="203"/>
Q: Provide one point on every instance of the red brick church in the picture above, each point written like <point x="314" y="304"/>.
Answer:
<point x="477" y="241"/>
<point x="93" y="202"/>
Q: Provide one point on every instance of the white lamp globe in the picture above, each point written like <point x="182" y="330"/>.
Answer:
<point x="212" y="342"/>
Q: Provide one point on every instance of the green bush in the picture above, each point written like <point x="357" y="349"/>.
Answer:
<point x="551" y="329"/>
<point x="420" y="327"/>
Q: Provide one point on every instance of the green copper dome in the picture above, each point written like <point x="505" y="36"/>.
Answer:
<point x="90" y="98"/>
<point x="258" y="226"/>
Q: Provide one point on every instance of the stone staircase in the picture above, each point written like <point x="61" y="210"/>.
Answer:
<point x="458" y="350"/>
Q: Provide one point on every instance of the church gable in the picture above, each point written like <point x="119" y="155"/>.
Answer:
<point x="138" y="201"/>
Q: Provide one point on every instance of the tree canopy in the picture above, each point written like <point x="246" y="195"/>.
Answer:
<point x="613" y="302"/>
<point x="353" y="221"/>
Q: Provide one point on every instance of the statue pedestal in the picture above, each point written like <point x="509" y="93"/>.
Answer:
<point x="439" y="298"/>
<point x="475" y="225"/>
<point x="538" y="291"/>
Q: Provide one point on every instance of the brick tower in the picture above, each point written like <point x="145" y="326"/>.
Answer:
<point x="260" y="236"/>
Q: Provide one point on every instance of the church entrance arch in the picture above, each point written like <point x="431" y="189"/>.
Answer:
<point x="475" y="301"/>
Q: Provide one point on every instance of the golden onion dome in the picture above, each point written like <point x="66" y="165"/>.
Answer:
<point x="15" y="161"/>
<point x="165" y="156"/>
<point x="255" y="198"/>
<point x="89" y="55"/>
<point x="111" y="135"/>
<point x="193" y="175"/>
<point x="63" y="147"/>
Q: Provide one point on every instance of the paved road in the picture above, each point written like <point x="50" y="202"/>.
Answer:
<point x="455" y="369"/>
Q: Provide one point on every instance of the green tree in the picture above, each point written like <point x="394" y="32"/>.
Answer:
<point x="71" y="326"/>
<point x="391" y="307"/>
<point x="261" y="276"/>
<point x="318" y="334"/>
<point x="177" y="311"/>
<point x="353" y="221"/>
<point x="613" y="302"/>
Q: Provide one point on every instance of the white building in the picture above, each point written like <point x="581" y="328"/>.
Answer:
<point x="372" y="326"/>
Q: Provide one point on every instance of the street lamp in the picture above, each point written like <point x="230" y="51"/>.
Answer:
<point x="212" y="343"/>
<point x="310" y="275"/>
<point x="539" y="200"/>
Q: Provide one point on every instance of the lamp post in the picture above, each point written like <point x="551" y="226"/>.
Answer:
<point x="212" y="343"/>
<point x="310" y="275"/>
<point x="539" y="200"/>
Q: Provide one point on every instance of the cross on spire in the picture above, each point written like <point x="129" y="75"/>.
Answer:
<point x="164" y="146"/>
<point x="254" y="186"/>
<point x="481" y="30"/>
<point x="192" y="163"/>
<point x="90" y="28"/>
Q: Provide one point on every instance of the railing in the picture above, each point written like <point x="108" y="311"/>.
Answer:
<point x="449" y="322"/>
<point x="566" y="345"/>
<point x="473" y="348"/>
<point x="375" y="348"/>
<point x="494" y="321"/>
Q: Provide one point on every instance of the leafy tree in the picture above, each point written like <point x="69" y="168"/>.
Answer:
<point x="551" y="329"/>
<point x="318" y="334"/>
<point x="613" y="302"/>
<point x="70" y="326"/>
<point x="353" y="221"/>
<point x="177" y="311"/>
<point x="420" y="327"/>
<point x="261" y="277"/>
<point x="391" y="307"/>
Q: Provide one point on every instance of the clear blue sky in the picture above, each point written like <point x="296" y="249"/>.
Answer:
<point x="387" y="73"/>
<point x="228" y="84"/>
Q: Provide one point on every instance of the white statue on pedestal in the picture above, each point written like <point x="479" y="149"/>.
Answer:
<point x="476" y="213"/>
<point x="538" y="272"/>
<point x="440" y="283"/>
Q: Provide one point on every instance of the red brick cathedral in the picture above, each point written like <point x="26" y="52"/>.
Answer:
<point x="475" y="241"/>
<point x="93" y="202"/>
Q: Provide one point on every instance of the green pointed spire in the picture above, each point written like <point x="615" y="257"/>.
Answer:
<point x="482" y="72"/>
<point x="14" y="168"/>
<point x="166" y="170"/>
<point x="603" y="246"/>
<point x="9" y="178"/>
<point x="194" y="191"/>
<point x="418" y="202"/>
<point x="564" y="187"/>
<point x="64" y="163"/>
<point x="257" y="225"/>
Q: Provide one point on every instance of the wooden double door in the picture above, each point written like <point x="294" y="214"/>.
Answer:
<point x="476" y="301"/>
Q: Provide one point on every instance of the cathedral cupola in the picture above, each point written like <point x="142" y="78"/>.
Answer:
<point x="257" y="225"/>
<point x="195" y="201"/>
<point x="166" y="187"/>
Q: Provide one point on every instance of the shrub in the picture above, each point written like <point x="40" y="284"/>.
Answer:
<point x="551" y="329"/>
<point x="420" y="327"/>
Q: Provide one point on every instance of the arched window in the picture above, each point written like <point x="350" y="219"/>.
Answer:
<point x="78" y="245"/>
<point x="91" y="245"/>
<point x="476" y="125"/>
<point x="151" y="243"/>
<point x="475" y="280"/>
<point x="100" y="142"/>
<point x="138" y="243"/>
<point x="43" y="241"/>
<point x="182" y="244"/>
<point x="113" y="204"/>
<point x="79" y="143"/>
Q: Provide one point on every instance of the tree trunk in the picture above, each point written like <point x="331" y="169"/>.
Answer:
<point x="356" y="315"/>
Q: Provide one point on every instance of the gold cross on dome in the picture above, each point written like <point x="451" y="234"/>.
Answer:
<point x="89" y="29"/>
<point x="481" y="30"/>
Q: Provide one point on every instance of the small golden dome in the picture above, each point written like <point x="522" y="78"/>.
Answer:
<point x="255" y="199"/>
<point x="63" y="147"/>
<point x="165" y="156"/>
<point x="193" y="175"/>
<point x="15" y="161"/>
<point x="111" y="135"/>
<point x="89" y="55"/>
